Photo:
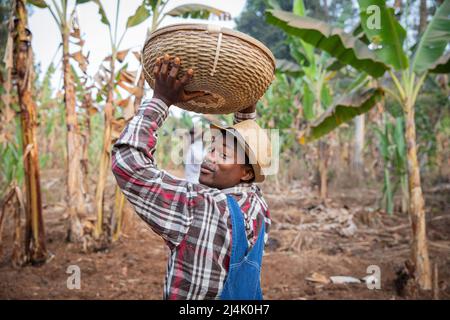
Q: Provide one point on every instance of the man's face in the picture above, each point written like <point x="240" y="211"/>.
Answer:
<point x="224" y="165"/>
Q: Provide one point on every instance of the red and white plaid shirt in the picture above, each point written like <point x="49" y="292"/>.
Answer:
<point x="193" y="219"/>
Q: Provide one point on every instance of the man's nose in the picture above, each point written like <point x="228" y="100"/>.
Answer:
<point x="211" y="157"/>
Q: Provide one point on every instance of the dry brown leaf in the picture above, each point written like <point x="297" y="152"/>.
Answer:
<point x="80" y="43"/>
<point x="27" y="151"/>
<point x="99" y="79"/>
<point x="76" y="33"/>
<point x="81" y="59"/>
<point x="137" y="54"/>
<point x="128" y="111"/>
<point x="92" y="110"/>
<point x="9" y="114"/>
<point x="120" y="56"/>
<point x="117" y="127"/>
<point x="124" y="102"/>
<point x="3" y="138"/>
<point x="133" y="90"/>
<point x="318" y="278"/>
<point x="127" y="76"/>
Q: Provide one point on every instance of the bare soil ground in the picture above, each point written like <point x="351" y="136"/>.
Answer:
<point x="309" y="239"/>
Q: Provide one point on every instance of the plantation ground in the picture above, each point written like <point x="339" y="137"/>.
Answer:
<point x="341" y="237"/>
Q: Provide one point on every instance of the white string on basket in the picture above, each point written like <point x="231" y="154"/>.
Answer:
<point x="215" y="29"/>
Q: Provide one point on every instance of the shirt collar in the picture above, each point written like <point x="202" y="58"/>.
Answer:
<point x="241" y="188"/>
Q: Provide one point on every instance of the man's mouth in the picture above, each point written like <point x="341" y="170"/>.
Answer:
<point x="206" y="168"/>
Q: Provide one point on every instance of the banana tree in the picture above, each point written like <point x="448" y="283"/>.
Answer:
<point x="106" y="80"/>
<point x="75" y="195"/>
<point x="386" y="53"/>
<point x="317" y="93"/>
<point x="22" y="62"/>
<point x="393" y="151"/>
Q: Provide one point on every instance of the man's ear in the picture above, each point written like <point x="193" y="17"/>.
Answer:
<point x="248" y="173"/>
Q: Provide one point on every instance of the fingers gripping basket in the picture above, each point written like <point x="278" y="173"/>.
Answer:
<point x="233" y="68"/>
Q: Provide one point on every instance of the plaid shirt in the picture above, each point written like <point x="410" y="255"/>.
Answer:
<point x="193" y="219"/>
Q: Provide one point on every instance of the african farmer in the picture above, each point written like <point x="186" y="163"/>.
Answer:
<point x="216" y="229"/>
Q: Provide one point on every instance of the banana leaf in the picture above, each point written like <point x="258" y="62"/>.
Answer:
<point x="339" y="44"/>
<point x="101" y="10"/>
<point x="344" y="110"/>
<point x="141" y="14"/>
<point x="358" y="32"/>
<point x="38" y="3"/>
<point x="388" y="36"/>
<point x="434" y="40"/>
<point x="198" y="11"/>
<point x="288" y="67"/>
<point x="308" y="102"/>
<point x="442" y="65"/>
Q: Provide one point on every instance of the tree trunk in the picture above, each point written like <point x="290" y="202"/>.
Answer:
<point x="85" y="143"/>
<point x="75" y="199"/>
<point x="358" y="161"/>
<point x="35" y="249"/>
<point x="423" y="16"/>
<point x="325" y="9"/>
<point x="117" y="219"/>
<point x="416" y="205"/>
<point x="105" y="157"/>
<point x="323" y="169"/>
<point x="140" y="92"/>
<point x="398" y="5"/>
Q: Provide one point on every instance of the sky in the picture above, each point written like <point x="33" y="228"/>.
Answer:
<point x="46" y="37"/>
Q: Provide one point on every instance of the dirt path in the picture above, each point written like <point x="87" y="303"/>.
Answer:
<point x="307" y="237"/>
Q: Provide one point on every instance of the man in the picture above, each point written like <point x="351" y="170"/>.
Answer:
<point x="215" y="229"/>
<point x="194" y="156"/>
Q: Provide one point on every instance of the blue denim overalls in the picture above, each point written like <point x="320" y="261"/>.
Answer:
<point x="244" y="274"/>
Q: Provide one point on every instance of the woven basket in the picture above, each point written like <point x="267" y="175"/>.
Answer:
<point x="233" y="68"/>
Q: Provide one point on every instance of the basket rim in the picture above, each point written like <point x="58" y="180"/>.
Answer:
<point x="204" y="27"/>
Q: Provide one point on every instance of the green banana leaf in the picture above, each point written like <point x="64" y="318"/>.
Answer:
<point x="343" y="46"/>
<point x="434" y="40"/>
<point x="400" y="144"/>
<point x="359" y="82"/>
<point x="198" y="11"/>
<point x="442" y="65"/>
<point x="288" y="67"/>
<point x="358" y="32"/>
<point x="141" y="14"/>
<point x="388" y="192"/>
<point x="389" y="35"/>
<point x="308" y="102"/>
<point x="299" y="10"/>
<point x="344" y="110"/>
<point x="38" y="3"/>
<point x="101" y="10"/>
<point x="325" y="96"/>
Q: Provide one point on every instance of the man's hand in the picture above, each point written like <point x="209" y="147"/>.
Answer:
<point x="167" y="87"/>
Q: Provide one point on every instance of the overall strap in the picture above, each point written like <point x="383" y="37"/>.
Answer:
<point x="239" y="244"/>
<point x="257" y="250"/>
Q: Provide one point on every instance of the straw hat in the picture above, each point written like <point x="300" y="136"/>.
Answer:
<point x="232" y="67"/>
<point x="254" y="140"/>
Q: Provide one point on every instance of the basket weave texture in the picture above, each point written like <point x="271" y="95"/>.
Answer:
<point x="233" y="68"/>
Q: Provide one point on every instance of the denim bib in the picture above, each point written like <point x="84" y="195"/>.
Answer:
<point x="243" y="281"/>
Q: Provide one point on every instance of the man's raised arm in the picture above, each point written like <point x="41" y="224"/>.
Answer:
<point x="159" y="199"/>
